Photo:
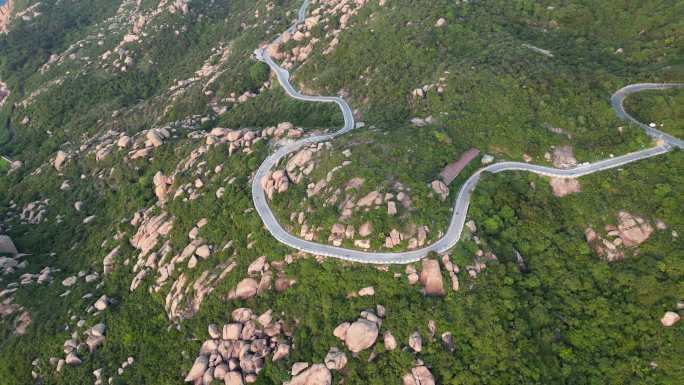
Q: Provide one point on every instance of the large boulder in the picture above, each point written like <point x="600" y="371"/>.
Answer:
<point x="60" y="158"/>
<point x="198" y="369"/>
<point x="415" y="342"/>
<point x="670" y="318"/>
<point x="246" y="289"/>
<point x="389" y="341"/>
<point x="633" y="230"/>
<point x="361" y="335"/>
<point x="440" y="188"/>
<point x="420" y="375"/>
<point x="335" y="359"/>
<point x="431" y="277"/>
<point x="317" y="374"/>
<point x="233" y="378"/>
<point x="7" y="246"/>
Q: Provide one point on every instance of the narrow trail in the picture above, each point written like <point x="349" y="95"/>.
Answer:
<point x="453" y="233"/>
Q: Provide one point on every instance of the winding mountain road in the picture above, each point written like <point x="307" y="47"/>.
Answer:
<point x="453" y="233"/>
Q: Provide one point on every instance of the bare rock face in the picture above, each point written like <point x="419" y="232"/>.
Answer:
<point x="564" y="158"/>
<point x="389" y="341"/>
<point x="233" y="378"/>
<point x="366" y="229"/>
<point x="246" y="289"/>
<point x="431" y="277"/>
<point x="564" y="186"/>
<point x="420" y="375"/>
<point x="366" y="291"/>
<point x="335" y="359"/>
<point x="317" y="374"/>
<point x="670" y="318"/>
<point x="415" y="342"/>
<point x="60" y="158"/>
<point x="198" y="369"/>
<point x="633" y="230"/>
<point x="341" y="330"/>
<point x="7" y="246"/>
<point x="440" y="188"/>
<point x="361" y="335"/>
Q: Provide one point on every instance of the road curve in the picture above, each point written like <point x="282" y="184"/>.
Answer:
<point x="453" y="233"/>
<point x="618" y="99"/>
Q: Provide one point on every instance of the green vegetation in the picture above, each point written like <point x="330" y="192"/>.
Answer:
<point x="665" y="108"/>
<point x="568" y="317"/>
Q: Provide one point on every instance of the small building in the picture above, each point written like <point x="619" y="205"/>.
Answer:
<point x="452" y="170"/>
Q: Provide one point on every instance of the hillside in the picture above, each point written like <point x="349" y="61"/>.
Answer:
<point x="133" y="249"/>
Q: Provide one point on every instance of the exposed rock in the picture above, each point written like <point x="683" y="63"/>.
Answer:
<point x="335" y="359"/>
<point x="633" y="229"/>
<point x="361" y="335"/>
<point x="72" y="359"/>
<point x="366" y="229"/>
<point x="389" y="341"/>
<point x="415" y="342"/>
<point x="214" y="332"/>
<point x="370" y="199"/>
<point x="246" y="289"/>
<point x="440" y="22"/>
<point x="233" y="378"/>
<point x="232" y="332"/>
<point x="257" y="266"/>
<point x="670" y="318"/>
<point x="102" y="303"/>
<point x="366" y="291"/>
<point x="431" y="277"/>
<point x="297" y="367"/>
<point x="448" y="342"/>
<point x="281" y="352"/>
<point x="69" y="281"/>
<point x="420" y="375"/>
<point x="317" y="374"/>
<point x="341" y="330"/>
<point x="564" y="186"/>
<point x="6" y="245"/>
<point x="440" y="188"/>
<point x="242" y="314"/>
<point x="564" y="158"/>
<point x="198" y="369"/>
<point x="60" y="158"/>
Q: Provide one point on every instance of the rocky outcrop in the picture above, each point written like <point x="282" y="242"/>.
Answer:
<point x="239" y="352"/>
<point x="564" y="158"/>
<point x="630" y="232"/>
<point x="440" y="188"/>
<point x="361" y="335"/>
<point x="317" y="374"/>
<point x="335" y="359"/>
<point x="431" y="277"/>
<point x="420" y="375"/>
<point x="670" y="318"/>
<point x="7" y="246"/>
<point x="564" y="186"/>
<point x="59" y="160"/>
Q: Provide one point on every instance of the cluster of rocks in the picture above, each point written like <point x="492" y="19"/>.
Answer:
<point x="440" y="189"/>
<point x="321" y="13"/>
<point x="630" y="232"/>
<point x="430" y="276"/>
<point x="33" y="212"/>
<point x="87" y="278"/>
<point x="235" y="353"/>
<point x="184" y="300"/>
<point x="416" y="238"/>
<point x="260" y="268"/>
<point x="75" y="348"/>
<point x="439" y="86"/>
<point x="45" y="276"/>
